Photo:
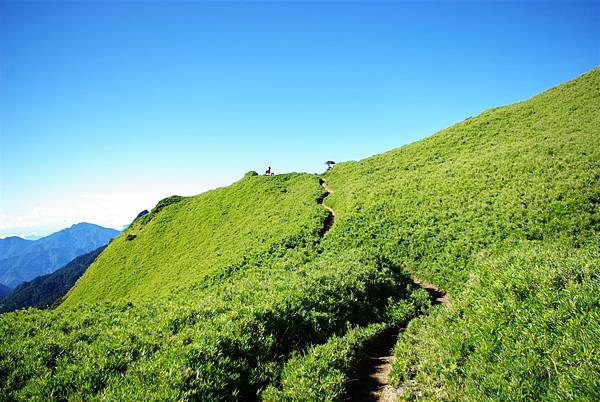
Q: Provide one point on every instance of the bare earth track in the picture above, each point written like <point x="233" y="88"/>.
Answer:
<point x="370" y="381"/>
<point x="331" y="216"/>
<point x="371" y="374"/>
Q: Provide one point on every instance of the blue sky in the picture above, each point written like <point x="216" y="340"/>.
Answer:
<point x="106" y="107"/>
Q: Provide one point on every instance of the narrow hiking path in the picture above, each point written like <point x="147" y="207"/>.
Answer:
<point x="331" y="213"/>
<point x="371" y="374"/>
<point x="370" y="381"/>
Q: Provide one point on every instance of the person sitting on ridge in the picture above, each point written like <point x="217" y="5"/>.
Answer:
<point x="268" y="172"/>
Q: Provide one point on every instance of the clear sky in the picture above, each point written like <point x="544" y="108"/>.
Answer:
<point x="106" y="107"/>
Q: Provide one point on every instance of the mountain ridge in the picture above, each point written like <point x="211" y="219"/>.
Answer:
<point x="46" y="290"/>
<point x="22" y="260"/>
<point x="4" y="290"/>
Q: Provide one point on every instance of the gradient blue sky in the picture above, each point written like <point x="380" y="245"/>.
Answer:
<point x="106" y="107"/>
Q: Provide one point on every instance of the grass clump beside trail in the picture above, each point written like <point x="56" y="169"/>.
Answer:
<point x="234" y="295"/>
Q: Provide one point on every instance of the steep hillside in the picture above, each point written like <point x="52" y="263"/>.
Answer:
<point x="22" y="260"/>
<point x="256" y="291"/>
<point x="527" y="171"/>
<point x="502" y="210"/>
<point x="184" y="239"/>
<point x="45" y="290"/>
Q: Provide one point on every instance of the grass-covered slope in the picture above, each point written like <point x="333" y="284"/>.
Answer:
<point x="525" y="327"/>
<point x="184" y="239"/>
<point x="221" y="341"/>
<point x="233" y="294"/>
<point x="242" y="284"/>
<point x="527" y="171"/>
<point x="502" y="210"/>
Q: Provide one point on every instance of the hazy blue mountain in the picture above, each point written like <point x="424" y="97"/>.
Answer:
<point x="4" y="290"/>
<point x="22" y="260"/>
<point x="12" y="246"/>
<point x="45" y="290"/>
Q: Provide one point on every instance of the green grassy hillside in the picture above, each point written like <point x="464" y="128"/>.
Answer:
<point x="244" y="283"/>
<point x="184" y="239"/>
<point x="528" y="171"/>
<point x="502" y="210"/>
<point x="233" y="294"/>
<point x="524" y="327"/>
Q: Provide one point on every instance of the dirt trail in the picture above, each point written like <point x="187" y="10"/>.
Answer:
<point x="371" y="374"/>
<point x="437" y="295"/>
<point x="331" y="216"/>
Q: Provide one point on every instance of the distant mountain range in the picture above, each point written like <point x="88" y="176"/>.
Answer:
<point x="4" y="290"/>
<point x="45" y="290"/>
<point x="22" y="260"/>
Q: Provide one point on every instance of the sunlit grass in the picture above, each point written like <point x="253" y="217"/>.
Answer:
<point x="233" y="292"/>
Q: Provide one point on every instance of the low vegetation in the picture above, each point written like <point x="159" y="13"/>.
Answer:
<point x="526" y="327"/>
<point x="321" y="373"/>
<point x="495" y="197"/>
<point x="213" y="341"/>
<point x="183" y="239"/>
<point x="237" y="294"/>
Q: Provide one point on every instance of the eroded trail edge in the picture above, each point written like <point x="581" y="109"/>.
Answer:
<point x="328" y="223"/>
<point x="370" y="381"/>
